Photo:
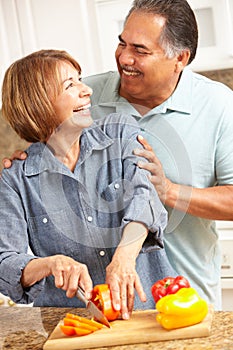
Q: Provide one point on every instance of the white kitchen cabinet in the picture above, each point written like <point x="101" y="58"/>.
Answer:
<point x="29" y="25"/>
<point x="110" y="17"/>
<point x="225" y="229"/>
<point x="215" y="22"/>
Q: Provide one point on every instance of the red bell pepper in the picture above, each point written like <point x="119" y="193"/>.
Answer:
<point x="168" y="285"/>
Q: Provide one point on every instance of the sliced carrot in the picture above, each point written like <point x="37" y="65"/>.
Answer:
<point x="76" y="323"/>
<point x="67" y="330"/>
<point x="81" y="331"/>
<point x="84" y="320"/>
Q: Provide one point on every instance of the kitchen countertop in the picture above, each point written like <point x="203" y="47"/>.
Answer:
<point x="26" y="328"/>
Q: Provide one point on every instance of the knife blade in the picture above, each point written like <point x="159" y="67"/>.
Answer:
<point x="92" y="308"/>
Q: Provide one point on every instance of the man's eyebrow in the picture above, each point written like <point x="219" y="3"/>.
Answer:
<point x="120" y="38"/>
<point x="140" y="46"/>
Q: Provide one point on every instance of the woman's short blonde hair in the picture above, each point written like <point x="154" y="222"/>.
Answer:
<point x="30" y="86"/>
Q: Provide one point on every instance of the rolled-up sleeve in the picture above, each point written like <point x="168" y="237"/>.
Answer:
<point x="144" y="204"/>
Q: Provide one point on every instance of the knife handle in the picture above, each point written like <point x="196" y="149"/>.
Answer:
<point x="81" y="295"/>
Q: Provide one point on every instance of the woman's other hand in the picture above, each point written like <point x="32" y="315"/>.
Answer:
<point x="121" y="274"/>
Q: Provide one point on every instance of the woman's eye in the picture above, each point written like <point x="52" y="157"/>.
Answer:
<point x="70" y="85"/>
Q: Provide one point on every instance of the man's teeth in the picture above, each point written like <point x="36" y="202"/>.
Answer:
<point x="126" y="72"/>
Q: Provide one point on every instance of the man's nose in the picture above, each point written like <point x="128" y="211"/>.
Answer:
<point x="126" y="57"/>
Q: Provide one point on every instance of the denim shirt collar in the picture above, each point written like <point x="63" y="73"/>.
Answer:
<point x="40" y="158"/>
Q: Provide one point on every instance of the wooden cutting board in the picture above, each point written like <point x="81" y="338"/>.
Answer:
<point x="141" y="328"/>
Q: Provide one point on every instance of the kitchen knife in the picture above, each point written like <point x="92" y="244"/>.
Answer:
<point x="92" y="308"/>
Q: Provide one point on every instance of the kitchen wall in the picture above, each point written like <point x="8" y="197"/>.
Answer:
<point x="9" y="140"/>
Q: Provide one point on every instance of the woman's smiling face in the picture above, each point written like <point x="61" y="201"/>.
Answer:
<point x="74" y="98"/>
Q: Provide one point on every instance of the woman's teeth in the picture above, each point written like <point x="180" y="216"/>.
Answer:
<point x="82" y="108"/>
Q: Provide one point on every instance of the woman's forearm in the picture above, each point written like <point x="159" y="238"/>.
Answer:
<point x="34" y="271"/>
<point x="133" y="237"/>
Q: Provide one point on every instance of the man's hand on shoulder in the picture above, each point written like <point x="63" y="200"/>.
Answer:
<point x="7" y="162"/>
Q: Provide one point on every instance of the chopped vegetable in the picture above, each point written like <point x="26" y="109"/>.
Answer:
<point x="81" y="331"/>
<point x="168" y="285"/>
<point x="182" y="309"/>
<point x="84" y="320"/>
<point x="67" y="330"/>
<point x="77" y="325"/>
<point x="101" y="297"/>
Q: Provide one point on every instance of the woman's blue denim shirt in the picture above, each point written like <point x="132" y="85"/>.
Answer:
<point x="80" y="214"/>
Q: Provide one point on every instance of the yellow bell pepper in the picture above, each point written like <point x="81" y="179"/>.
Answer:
<point x="182" y="309"/>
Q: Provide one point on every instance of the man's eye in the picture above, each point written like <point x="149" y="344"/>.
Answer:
<point x="142" y="52"/>
<point x="121" y="44"/>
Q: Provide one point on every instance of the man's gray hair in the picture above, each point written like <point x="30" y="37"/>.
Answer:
<point x="180" y="32"/>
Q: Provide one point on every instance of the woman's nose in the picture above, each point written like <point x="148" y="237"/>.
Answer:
<point x="85" y="91"/>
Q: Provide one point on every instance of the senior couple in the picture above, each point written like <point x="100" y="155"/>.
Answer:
<point x="88" y="197"/>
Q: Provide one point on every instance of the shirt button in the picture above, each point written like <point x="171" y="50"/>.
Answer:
<point x="89" y="218"/>
<point x="45" y="220"/>
<point x="102" y="253"/>
<point x="117" y="186"/>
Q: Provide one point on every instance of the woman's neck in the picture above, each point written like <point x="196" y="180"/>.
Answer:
<point x="65" y="144"/>
<point x="71" y="157"/>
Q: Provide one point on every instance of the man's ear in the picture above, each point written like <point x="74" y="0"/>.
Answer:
<point x="182" y="60"/>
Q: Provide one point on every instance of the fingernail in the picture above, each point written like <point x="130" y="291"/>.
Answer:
<point x="137" y="151"/>
<point x="140" y="164"/>
<point x="117" y="307"/>
<point x="22" y="156"/>
<point x="125" y="316"/>
<point x="88" y="295"/>
<point x="140" y="137"/>
<point x="6" y="164"/>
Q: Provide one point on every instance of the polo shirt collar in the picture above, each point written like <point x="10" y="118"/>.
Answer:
<point x="111" y="98"/>
<point x="179" y="101"/>
<point x="181" y="98"/>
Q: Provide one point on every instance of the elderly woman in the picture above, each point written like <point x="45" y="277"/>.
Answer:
<point x="88" y="214"/>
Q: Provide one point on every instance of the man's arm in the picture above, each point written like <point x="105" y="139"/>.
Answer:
<point x="213" y="203"/>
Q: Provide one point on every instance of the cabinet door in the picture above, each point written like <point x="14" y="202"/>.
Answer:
<point x="110" y="15"/>
<point x="215" y="49"/>
<point x="29" y="25"/>
<point x="10" y="40"/>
